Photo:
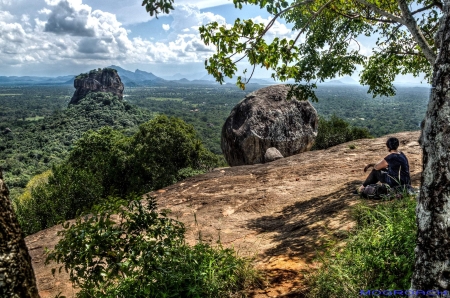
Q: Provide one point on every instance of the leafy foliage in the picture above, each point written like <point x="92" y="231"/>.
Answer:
<point x="34" y="182"/>
<point x="165" y="146"/>
<point x="34" y="146"/>
<point x="144" y="255"/>
<point x="155" y="7"/>
<point x="108" y="163"/>
<point x="336" y="131"/>
<point x="378" y="255"/>
<point x="329" y="47"/>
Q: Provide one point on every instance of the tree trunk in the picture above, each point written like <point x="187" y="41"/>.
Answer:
<point x="432" y="253"/>
<point x="16" y="274"/>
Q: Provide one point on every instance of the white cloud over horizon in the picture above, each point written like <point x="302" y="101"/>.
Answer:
<point x="71" y="32"/>
<point x="62" y="37"/>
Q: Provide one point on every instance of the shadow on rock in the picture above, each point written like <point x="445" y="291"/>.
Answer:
<point x="302" y="228"/>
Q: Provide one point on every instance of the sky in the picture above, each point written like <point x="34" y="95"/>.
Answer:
<point x="68" y="37"/>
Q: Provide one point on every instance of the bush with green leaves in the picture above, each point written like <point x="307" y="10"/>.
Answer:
<point x="167" y="150"/>
<point x="108" y="163"/>
<point x="379" y="254"/>
<point x="336" y="131"/>
<point x="142" y="253"/>
<point x="68" y="192"/>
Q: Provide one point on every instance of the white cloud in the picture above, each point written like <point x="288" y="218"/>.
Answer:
<point x="5" y="2"/>
<point x="44" y="11"/>
<point x="70" y="17"/>
<point x="204" y="3"/>
<point x="53" y="2"/>
<point x="69" y="32"/>
<point x="188" y="16"/>
<point x="6" y="16"/>
<point x="277" y="29"/>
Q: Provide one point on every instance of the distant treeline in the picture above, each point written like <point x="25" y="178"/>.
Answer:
<point x="37" y="130"/>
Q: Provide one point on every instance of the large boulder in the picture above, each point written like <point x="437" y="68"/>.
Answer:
<point x="101" y="80"/>
<point x="265" y="119"/>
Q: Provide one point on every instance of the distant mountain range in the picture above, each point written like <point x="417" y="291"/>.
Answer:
<point x="341" y="81"/>
<point x="144" y="78"/>
<point x="34" y="80"/>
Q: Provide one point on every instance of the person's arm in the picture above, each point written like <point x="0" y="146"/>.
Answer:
<point x="382" y="164"/>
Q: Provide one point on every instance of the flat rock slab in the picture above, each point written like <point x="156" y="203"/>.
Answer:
<point x="280" y="212"/>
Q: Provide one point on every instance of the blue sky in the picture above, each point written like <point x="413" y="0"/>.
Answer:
<point x="61" y="37"/>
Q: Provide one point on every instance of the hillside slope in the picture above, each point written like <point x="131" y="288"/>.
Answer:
<point x="280" y="212"/>
<point x="34" y="147"/>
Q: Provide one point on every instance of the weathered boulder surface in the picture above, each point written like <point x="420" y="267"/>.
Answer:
<point x="272" y="154"/>
<point x="265" y="119"/>
<point x="101" y="80"/>
<point x="16" y="273"/>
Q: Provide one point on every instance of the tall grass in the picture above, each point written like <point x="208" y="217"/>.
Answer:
<point x="379" y="254"/>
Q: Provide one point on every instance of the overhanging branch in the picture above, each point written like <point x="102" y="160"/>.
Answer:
<point x="381" y="12"/>
<point x="411" y="24"/>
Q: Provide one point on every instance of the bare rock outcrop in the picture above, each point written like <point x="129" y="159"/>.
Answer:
<point x="16" y="273"/>
<point x="279" y="212"/>
<point x="101" y="80"/>
<point x="265" y="119"/>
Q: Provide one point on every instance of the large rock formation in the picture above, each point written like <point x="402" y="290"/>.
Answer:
<point x="101" y="80"/>
<point x="16" y="273"/>
<point x="265" y="119"/>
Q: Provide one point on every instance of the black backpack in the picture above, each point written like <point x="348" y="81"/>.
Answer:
<point x="384" y="191"/>
<point x="375" y="191"/>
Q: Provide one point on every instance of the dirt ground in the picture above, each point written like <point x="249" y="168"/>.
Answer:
<point x="281" y="213"/>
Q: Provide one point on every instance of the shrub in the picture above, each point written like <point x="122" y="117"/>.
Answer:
<point x="336" y="131"/>
<point x="34" y="182"/>
<point x="144" y="255"/>
<point x="164" y="146"/>
<point x="107" y="163"/>
<point x="68" y="192"/>
<point x="379" y="255"/>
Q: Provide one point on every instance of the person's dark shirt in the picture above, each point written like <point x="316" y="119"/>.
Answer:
<point x="398" y="168"/>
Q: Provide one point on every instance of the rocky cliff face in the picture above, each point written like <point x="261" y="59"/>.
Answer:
<point x="16" y="273"/>
<point x="101" y="80"/>
<point x="265" y="119"/>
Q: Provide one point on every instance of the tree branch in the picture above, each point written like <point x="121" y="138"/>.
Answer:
<point x="253" y="71"/>
<point x="270" y="24"/>
<point x="357" y="16"/>
<point x="411" y="24"/>
<point x="302" y="30"/>
<point x="405" y="53"/>
<point x="276" y="16"/>
<point x="439" y="4"/>
<point x="382" y="12"/>
<point x="423" y="8"/>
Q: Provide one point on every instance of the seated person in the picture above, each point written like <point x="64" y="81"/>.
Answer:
<point x="392" y="170"/>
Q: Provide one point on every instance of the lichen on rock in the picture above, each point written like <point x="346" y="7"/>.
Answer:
<point x="16" y="273"/>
